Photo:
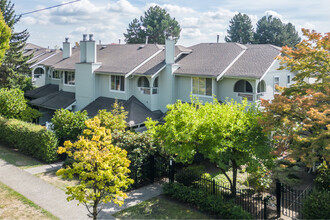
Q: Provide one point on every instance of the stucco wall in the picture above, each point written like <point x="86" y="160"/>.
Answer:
<point x="103" y="88"/>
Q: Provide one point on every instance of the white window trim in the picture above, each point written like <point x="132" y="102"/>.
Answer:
<point x="63" y="74"/>
<point x="199" y="95"/>
<point x="114" y="90"/>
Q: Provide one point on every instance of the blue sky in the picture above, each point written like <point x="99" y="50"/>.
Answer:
<point x="200" y="20"/>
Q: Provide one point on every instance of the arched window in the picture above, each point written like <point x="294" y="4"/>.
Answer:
<point x="155" y="86"/>
<point x="39" y="71"/>
<point x="143" y="82"/>
<point x="261" y="86"/>
<point x="243" y="86"/>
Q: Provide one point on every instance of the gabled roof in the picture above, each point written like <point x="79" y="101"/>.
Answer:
<point x="41" y="91"/>
<point x="54" y="101"/>
<point x="254" y="62"/>
<point x="137" y="111"/>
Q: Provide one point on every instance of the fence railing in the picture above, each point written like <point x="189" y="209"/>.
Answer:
<point x="252" y="202"/>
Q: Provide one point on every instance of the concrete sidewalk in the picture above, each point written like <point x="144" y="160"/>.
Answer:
<point x="54" y="200"/>
<point x="44" y="168"/>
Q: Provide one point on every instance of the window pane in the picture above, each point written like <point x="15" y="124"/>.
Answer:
<point x="156" y="82"/>
<point x="202" y="86"/>
<point x="248" y="87"/>
<point x="239" y="86"/>
<point x="122" y="83"/>
<point x="209" y="87"/>
<point x="289" y="79"/>
<point x="113" y="83"/>
<point x="66" y="77"/>
<point x="195" y="85"/>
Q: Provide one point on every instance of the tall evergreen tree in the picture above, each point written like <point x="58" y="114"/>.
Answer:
<point x="15" y="65"/>
<point x="271" y="30"/>
<point x="156" y="23"/>
<point x="240" y="29"/>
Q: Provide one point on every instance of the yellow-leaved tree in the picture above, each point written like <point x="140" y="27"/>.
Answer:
<point x="101" y="167"/>
<point x="5" y="34"/>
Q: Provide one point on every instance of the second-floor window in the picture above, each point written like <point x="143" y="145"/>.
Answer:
<point x="56" y="74"/>
<point x="117" y="83"/>
<point x="276" y="82"/>
<point x="202" y="86"/>
<point x="69" y="78"/>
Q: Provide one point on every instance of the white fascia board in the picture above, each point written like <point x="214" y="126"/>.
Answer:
<point x="156" y="74"/>
<point x="43" y="60"/>
<point x="230" y="65"/>
<point x="271" y="65"/>
<point x="33" y="58"/>
<point x="136" y="68"/>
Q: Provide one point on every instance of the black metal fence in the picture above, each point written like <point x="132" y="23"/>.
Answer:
<point x="252" y="202"/>
<point x="291" y="200"/>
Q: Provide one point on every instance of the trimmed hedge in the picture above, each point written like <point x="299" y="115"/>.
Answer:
<point x="29" y="139"/>
<point x="316" y="205"/>
<point x="205" y="202"/>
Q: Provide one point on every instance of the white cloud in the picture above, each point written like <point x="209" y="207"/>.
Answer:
<point x="274" y="14"/>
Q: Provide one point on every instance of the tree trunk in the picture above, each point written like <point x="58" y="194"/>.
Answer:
<point x="233" y="190"/>
<point x="95" y="210"/>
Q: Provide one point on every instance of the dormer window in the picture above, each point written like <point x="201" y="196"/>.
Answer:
<point x="69" y="78"/>
<point x="202" y="86"/>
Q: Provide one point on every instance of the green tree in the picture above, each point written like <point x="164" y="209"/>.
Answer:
<point x="299" y="117"/>
<point x="240" y="29"/>
<point x="101" y="167"/>
<point x="227" y="134"/>
<point x="5" y="34"/>
<point x="115" y="119"/>
<point x="271" y="30"/>
<point x="15" y="65"/>
<point x="156" y="23"/>
<point x="14" y="105"/>
<point x="69" y="125"/>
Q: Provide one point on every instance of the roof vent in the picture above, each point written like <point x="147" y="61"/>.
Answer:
<point x="84" y="37"/>
<point x="66" y="40"/>
<point x="218" y="36"/>
<point x="141" y="46"/>
<point x="91" y="37"/>
<point x="103" y="47"/>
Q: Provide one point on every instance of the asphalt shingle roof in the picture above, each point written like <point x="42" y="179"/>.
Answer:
<point x="56" y="100"/>
<point x="254" y="62"/>
<point x="41" y="91"/>
<point x="137" y="111"/>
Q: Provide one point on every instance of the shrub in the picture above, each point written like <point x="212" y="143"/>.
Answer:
<point x="322" y="181"/>
<point x="205" y="202"/>
<point x="30" y="139"/>
<point x="317" y="206"/>
<point x="188" y="175"/>
<point x="68" y="125"/>
<point x="14" y="105"/>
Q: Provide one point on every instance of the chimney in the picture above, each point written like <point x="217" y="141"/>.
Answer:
<point x="67" y="50"/>
<point x="119" y="41"/>
<point x="169" y="51"/>
<point x="88" y="49"/>
<point x="147" y="38"/>
<point x="218" y="36"/>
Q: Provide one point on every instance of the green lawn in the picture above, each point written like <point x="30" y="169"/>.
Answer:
<point x="160" y="207"/>
<point x="14" y="157"/>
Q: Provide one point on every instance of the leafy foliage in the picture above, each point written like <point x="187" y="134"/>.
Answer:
<point x="271" y="30"/>
<point x="317" y="205"/>
<point x="227" y="134"/>
<point x="202" y="200"/>
<point x="30" y="139"/>
<point x="240" y="29"/>
<point x="13" y="105"/>
<point x="69" y="125"/>
<point x="299" y="117"/>
<point x="322" y="181"/>
<point x="156" y="23"/>
<point x="188" y="175"/>
<point x="5" y="34"/>
<point x="101" y="167"/>
<point x="15" y="65"/>
<point x="115" y="119"/>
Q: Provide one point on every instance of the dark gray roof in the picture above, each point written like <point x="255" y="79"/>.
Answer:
<point x="254" y="62"/>
<point x="208" y="59"/>
<point x="54" y="101"/>
<point x="137" y="111"/>
<point x="58" y="62"/>
<point x="41" y="91"/>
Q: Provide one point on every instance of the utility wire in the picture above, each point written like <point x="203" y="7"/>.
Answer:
<point x="55" y="6"/>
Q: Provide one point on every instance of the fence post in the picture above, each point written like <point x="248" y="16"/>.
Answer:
<point x="171" y="177"/>
<point x="213" y="189"/>
<point x="278" y="199"/>
<point x="152" y="168"/>
<point x="265" y="207"/>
